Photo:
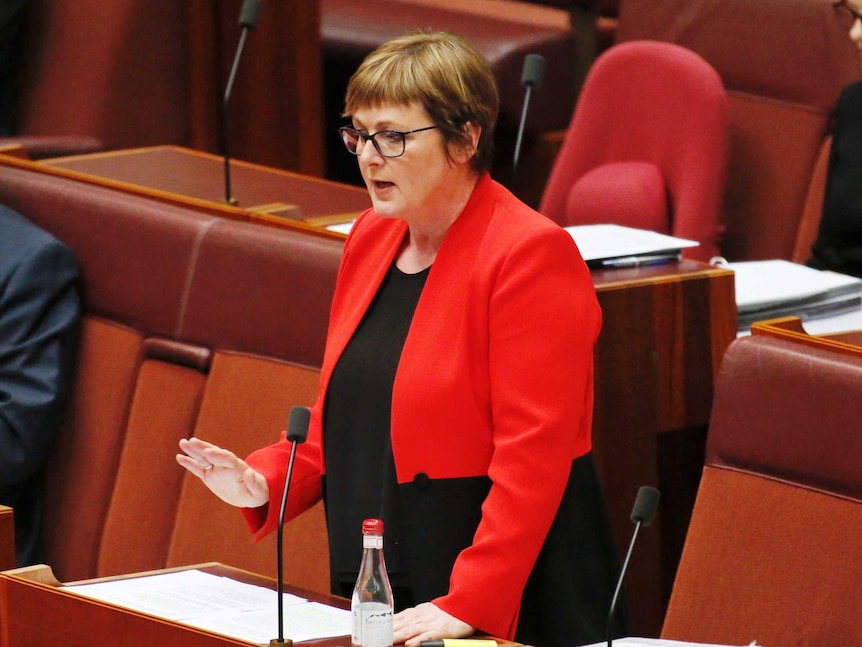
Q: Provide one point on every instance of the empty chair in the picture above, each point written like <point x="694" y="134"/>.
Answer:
<point x="772" y="552"/>
<point x="646" y="147"/>
<point x="783" y="64"/>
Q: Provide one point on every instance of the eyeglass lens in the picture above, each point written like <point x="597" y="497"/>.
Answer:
<point x="389" y="143"/>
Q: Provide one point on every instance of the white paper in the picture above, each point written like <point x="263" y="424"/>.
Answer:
<point x="341" y="227"/>
<point x="221" y="604"/>
<point x="844" y="322"/>
<point x="597" y="242"/>
<point x="771" y="282"/>
<point x="308" y="621"/>
<point x="658" y="642"/>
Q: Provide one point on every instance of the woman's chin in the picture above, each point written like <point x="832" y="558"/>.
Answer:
<point x="385" y="209"/>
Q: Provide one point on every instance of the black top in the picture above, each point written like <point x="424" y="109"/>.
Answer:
<point x="839" y="240"/>
<point x="360" y="472"/>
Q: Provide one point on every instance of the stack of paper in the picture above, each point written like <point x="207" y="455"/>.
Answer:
<point x="605" y="246"/>
<point x="778" y="288"/>
<point x="221" y="605"/>
<point x="657" y="642"/>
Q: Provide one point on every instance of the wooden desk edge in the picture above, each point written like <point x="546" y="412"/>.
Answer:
<point x="791" y="328"/>
<point x="196" y="204"/>
<point x="43" y="575"/>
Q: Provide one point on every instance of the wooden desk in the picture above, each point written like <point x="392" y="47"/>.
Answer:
<point x="7" y="537"/>
<point x="791" y="328"/>
<point x="36" y="611"/>
<point x="664" y="333"/>
<point x="196" y="179"/>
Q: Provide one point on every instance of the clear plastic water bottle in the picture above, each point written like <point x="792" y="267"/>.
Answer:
<point x="372" y="605"/>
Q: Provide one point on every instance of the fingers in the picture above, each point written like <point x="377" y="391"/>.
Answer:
<point x="193" y="458"/>
<point x="200" y="456"/>
<point x="191" y="465"/>
<point x="427" y="622"/>
<point x="257" y="488"/>
<point x="225" y="474"/>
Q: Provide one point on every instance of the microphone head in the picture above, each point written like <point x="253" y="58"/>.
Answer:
<point x="249" y="13"/>
<point x="645" y="505"/>
<point x="534" y="70"/>
<point x="297" y="424"/>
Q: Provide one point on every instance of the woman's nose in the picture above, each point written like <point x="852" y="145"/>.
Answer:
<point x="368" y="153"/>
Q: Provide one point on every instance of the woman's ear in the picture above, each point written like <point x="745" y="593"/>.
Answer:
<point x="465" y="152"/>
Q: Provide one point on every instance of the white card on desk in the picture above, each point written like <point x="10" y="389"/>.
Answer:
<point x="658" y="642"/>
<point x="606" y="242"/>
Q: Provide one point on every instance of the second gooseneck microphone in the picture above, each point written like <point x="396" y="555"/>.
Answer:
<point x="247" y="21"/>
<point x="531" y="77"/>
<point x="297" y="430"/>
<point x="642" y="514"/>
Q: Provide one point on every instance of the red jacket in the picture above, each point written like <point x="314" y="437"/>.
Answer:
<point x="495" y="381"/>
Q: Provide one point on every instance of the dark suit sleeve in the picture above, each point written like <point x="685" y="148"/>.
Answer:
<point x="39" y="321"/>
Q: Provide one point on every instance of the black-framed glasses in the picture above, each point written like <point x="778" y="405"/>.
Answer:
<point x="389" y="143"/>
<point x="848" y="13"/>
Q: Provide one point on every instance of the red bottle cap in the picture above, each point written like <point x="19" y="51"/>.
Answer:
<point x="372" y="527"/>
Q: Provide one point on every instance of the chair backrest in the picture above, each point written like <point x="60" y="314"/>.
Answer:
<point x="648" y="137"/>
<point x="772" y="550"/>
<point x="193" y="325"/>
<point x="133" y="73"/>
<point x="783" y="63"/>
<point x="106" y="70"/>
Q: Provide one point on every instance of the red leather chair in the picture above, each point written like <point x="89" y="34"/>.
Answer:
<point x="772" y="551"/>
<point x="783" y="64"/>
<point x="646" y="147"/>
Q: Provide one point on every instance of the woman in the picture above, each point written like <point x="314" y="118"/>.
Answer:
<point x="838" y="246"/>
<point x="456" y="386"/>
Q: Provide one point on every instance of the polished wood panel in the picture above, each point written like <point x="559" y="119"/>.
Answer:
<point x="790" y="328"/>
<point x="194" y="179"/>
<point x="664" y="332"/>
<point x="172" y="172"/>
<point x="276" y="107"/>
<point x="35" y="611"/>
<point x="7" y="537"/>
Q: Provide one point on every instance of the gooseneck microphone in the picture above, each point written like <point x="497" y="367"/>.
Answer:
<point x="531" y="77"/>
<point x="247" y="21"/>
<point x="642" y="514"/>
<point x="297" y="430"/>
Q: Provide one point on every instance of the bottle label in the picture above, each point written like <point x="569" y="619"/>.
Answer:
<point x="372" y="625"/>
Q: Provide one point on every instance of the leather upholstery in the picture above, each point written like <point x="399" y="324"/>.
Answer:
<point x="771" y="550"/>
<point x="784" y="63"/>
<point x="656" y="103"/>
<point x="194" y="324"/>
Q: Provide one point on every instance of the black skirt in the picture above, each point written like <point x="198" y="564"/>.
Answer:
<point x="568" y="594"/>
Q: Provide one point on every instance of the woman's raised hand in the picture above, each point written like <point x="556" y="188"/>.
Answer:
<point x="228" y="476"/>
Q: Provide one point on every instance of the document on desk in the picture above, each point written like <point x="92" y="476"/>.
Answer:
<point x="606" y="246"/>
<point x="220" y="604"/>
<point x="658" y="642"/>
<point x="341" y="227"/>
<point x="775" y="288"/>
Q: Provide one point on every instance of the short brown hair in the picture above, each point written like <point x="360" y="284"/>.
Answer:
<point x="444" y="74"/>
